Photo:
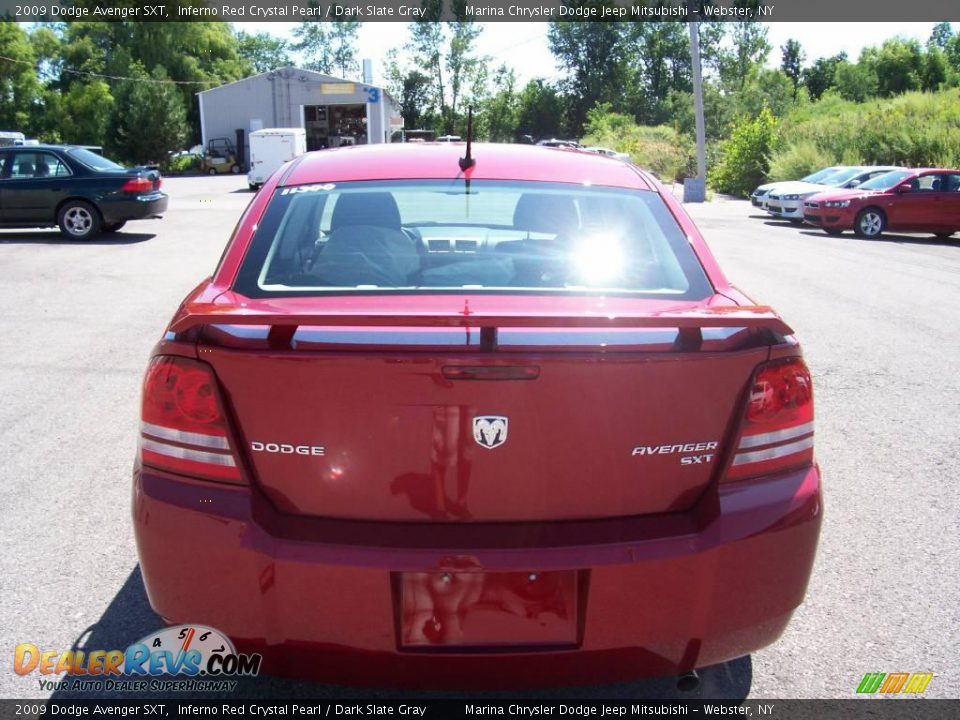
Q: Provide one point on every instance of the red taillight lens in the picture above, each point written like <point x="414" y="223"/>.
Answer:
<point x="138" y="185"/>
<point x="777" y="432"/>
<point x="183" y="428"/>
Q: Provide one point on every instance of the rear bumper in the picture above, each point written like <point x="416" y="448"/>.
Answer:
<point x="319" y="599"/>
<point x="121" y="208"/>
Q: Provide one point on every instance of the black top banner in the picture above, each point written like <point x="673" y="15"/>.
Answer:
<point x="482" y="10"/>
<point x="179" y="709"/>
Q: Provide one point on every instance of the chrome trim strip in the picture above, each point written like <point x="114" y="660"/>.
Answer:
<point x="188" y="438"/>
<point x="749" y="441"/>
<point x="774" y="452"/>
<point x="186" y="453"/>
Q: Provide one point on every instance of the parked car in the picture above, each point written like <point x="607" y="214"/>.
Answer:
<point x="608" y="152"/>
<point x="926" y="200"/>
<point x="554" y="142"/>
<point x="76" y="189"/>
<point x="786" y="202"/>
<point x="758" y="197"/>
<point x="508" y="425"/>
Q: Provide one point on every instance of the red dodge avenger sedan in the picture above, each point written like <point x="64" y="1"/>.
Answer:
<point x="903" y="200"/>
<point x="485" y="421"/>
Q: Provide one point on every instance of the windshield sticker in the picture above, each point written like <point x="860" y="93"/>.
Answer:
<point x="326" y="187"/>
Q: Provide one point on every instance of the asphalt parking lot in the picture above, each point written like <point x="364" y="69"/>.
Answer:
<point x="880" y="328"/>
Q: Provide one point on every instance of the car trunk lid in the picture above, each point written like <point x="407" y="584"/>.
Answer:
<point x="428" y="413"/>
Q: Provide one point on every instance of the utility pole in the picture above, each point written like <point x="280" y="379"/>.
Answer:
<point x="695" y="190"/>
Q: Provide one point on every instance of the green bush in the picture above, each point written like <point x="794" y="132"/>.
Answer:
<point x="182" y="164"/>
<point x="660" y="149"/>
<point x="745" y="155"/>
<point x="796" y="161"/>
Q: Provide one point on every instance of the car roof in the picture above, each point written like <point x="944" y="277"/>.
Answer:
<point x="44" y="146"/>
<point x="438" y="161"/>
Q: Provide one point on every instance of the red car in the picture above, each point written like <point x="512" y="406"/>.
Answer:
<point x="903" y="200"/>
<point x="495" y="427"/>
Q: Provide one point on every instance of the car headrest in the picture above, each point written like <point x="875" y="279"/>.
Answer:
<point x="26" y="168"/>
<point x="546" y="214"/>
<point x="378" y="208"/>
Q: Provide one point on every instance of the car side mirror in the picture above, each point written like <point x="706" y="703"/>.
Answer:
<point x="854" y="183"/>
<point x="901" y="189"/>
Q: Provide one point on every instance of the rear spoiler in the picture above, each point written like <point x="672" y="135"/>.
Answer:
<point x="283" y="326"/>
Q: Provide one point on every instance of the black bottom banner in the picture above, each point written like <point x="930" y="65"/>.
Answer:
<point x="872" y="709"/>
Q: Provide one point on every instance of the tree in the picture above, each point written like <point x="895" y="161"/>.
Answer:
<point x="262" y="52"/>
<point x="765" y="88"/>
<point x="502" y="110"/>
<point x="86" y="111"/>
<point x="329" y="47"/>
<point x="941" y="36"/>
<point x="343" y="37"/>
<point x="792" y="62"/>
<point x="196" y="55"/>
<point x="749" y="48"/>
<point x="19" y="88"/>
<point x="540" y="111"/>
<point x="150" y="119"/>
<point x="461" y="63"/>
<point x="934" y="72"/>
<point x="426" y="45"/>
<point x="595" y="57"/>
<point x="819" y="77"/>
<point x="659" y="57"/>
<point x="855" y="82"/>
<point x="898" y="64"/>
<point x="313" y="43"/>
<point x="444" y="54"/>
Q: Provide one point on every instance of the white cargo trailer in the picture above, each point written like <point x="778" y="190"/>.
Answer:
<point x="271" y="148"/>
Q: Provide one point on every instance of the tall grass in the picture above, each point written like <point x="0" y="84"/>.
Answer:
<point x="915" y="130"/>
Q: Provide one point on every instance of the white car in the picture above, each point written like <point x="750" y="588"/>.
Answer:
<point x="609" y="153"/>
<point x="759" y="196"/>
<point x="786" y="200"/>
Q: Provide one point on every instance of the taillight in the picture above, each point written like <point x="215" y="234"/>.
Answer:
<point x="183" y="427"/>
<point x="138" y="185"/>
<point x="777" y="431"/>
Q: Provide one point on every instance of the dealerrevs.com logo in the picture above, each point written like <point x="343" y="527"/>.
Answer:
<point x="188" y="658"/>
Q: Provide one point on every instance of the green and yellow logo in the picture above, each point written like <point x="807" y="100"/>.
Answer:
<point x="894" y="683"/>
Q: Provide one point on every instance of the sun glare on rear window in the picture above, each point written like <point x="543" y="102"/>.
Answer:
<point x="419" y="236"/>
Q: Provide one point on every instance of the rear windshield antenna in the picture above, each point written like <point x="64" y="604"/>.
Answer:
<point x="467" y="161"/>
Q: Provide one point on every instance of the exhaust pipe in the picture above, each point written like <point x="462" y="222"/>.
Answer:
<point x="688" y="681"/>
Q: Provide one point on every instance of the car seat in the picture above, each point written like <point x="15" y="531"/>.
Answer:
<point x="540" y="213"/>
<point x="366" y="245"/>
<point x="376" y="208"/>
<point x="25" y="169"/>
<point x="43" y="170"/>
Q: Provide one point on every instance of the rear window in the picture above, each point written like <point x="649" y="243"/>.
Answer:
<point x="92" y="160"/>
<point x="425" y="236"/>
